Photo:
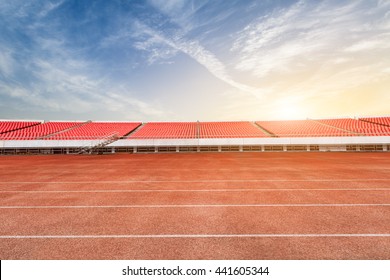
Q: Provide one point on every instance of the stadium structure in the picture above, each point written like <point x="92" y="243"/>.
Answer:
<point x="195" y="190"/>
<point x="78" y="137"/>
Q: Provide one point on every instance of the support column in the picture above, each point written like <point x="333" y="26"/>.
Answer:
<point x="135" y="149"/>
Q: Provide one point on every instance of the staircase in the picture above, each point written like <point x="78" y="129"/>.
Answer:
<point x="106" y="140"/>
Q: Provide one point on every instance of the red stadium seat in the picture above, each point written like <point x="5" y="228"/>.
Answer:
<point x="166" y="130"/>
<point x="97" y="130"/>
<point x="229" y="130"/>
<point x="301" y="128"/>
<point x="358" y="127"/>
<point x="39" y="131"/>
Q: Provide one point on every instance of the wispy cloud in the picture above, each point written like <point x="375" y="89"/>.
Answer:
<point x="163" y="46"/>
<point x="6" y="62"/>
<point x="58" y="88"/>
<point x="371" y="44"/>
<point x="155" y="45"/>
<point x="179" y="12"/>
<point x="142" y="59"/>
<point x="314" y="39"/>
<point x="57" y="78"/>
<point x="49" y="7"/>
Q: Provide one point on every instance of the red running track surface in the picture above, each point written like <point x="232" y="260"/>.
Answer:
<point x="196" y="206"/>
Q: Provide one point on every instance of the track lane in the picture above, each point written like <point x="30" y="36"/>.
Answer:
<point x="199" y="248"/>
<point x="196" y="220"/>
<point x="167" y="197"/>
<point x="185" y="185"/>
<point x="189" y="175"/>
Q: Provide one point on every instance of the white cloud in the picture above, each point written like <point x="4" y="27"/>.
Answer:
<point x="311" y="48"/>
<point x="180" y="12"/>
<point x="266" y="30"/>
<point x="158" y="51"/>
<point x="63" y="86"/>
<point x="307" y="37"/>
<point x="59" y="90"/>
<point x="156" y="44"/>
<point x="163" y="46"/>
<point x="62" y="81"/>
<point x="370" y="45"/>
<point x="49" y="7"/>
<point x="6" y="62"/>
<point x="274" y="41"/>
<point x="168" y="6"/>
<point x="54" y="77"/>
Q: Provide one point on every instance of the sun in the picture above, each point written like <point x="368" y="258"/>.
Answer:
<point x="289" y="110"/>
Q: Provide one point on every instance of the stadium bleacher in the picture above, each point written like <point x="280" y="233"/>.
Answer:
<point x="34" y="130"/>
<point x="97" y="130"/>
<point x="38" y="131"/>
<point x="229" y="130"/>
<point x="166" y="130"/>
<point x="7" y="126"/>
<point x="301" y="128"/>
<point x="180" y="130"/>
<point x="358" y="127"/>
<point x="342" y="135"/>
<point x="377" y="120"/>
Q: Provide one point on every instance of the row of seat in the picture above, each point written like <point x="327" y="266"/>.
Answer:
<point x="377" y="120"/>
<point x="6" y="126"/>
<point x="192" y="130"/>
<point x="197" y="130"/>
<point x="229" y="130"/>
<point x="97" y="130"/>
<point x="358" y="127"/>
<point x="301" y="128"/>
<point x="39" y="131"/>
<point x="166" y="130"/>
<point x="70" y="130"/>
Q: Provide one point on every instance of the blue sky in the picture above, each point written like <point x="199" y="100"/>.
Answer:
<point x="193" y="60"/>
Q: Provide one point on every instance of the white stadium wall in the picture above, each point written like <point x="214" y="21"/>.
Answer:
<point x="326" y="142"/>
<point x="358" y="140"/>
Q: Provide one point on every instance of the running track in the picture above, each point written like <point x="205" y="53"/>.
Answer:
<point x="196" y="206"/>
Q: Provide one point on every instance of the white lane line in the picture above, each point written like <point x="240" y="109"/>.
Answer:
<point x="196" y="190"/>
<point x="194" y="181"/>
<point x="137" y="236"/>
<point x="192" y="206"/>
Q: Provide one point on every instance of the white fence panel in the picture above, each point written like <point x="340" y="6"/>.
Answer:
<point x="49" y="143"/>
<point x="220" y="141"/>
<point x="358" y="140"/>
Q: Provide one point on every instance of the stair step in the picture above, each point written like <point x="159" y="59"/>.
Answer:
<point x="106" y="141"/>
